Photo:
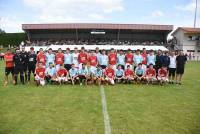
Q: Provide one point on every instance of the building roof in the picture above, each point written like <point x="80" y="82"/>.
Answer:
<point x="97" y="26"/>
<point x="188" y="30"/>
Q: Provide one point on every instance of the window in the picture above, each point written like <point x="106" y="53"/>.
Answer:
<point x="190" y="50"/>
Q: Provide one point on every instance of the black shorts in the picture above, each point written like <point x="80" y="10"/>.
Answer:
<point x="82" y="77"/>
<point x="172" y="71"/>
<point x="119" y="76"/>
<point x="103" y="66"/>
<point x="9" y="70"/>
<point x="25" y="67"/>
<point x="31" y="68"/>
<point x="67" y="67"/>
<point x="18" y="69"/>
<point x="180" y="70"/>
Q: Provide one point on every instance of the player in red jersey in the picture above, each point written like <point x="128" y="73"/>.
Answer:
<point x="82" y="57"/>
<point x="129" y="74"/>
<point x="40" y="74"/>
<point x="59" y="58"/>
<point x="41" y="57"/>
<point x="150" y="74"/>
<point x="112" y="58"/>
<point x="162" y="75"/>
<point x="110" y="75"/>
<point x="9" y="66"/>
<point x="129" y="59"/>
<point x="62" y="75"/>
<point x="144" y="56"/>
<point x="93" y="62"/>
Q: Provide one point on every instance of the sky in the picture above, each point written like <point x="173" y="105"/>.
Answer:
<point x="14" y="13"/>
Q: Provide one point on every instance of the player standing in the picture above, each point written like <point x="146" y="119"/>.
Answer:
<point x="9" y="66"/>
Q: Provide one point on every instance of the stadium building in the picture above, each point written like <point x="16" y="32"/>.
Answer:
<point x="117" y="35"/>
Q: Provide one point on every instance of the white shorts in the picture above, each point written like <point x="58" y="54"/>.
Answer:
<point x="110" y="80"/>
<point x="62" y="79"/>
<point x="42" y="81"/>
<point x="163" y="79"/>
<point x="151" y="78"/>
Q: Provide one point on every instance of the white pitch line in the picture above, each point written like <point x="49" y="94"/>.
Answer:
<point x="105" y="112"/>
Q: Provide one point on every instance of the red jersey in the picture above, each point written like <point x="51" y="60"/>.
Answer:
<point x="93" y="60"/>
<point x="112" y="57"/>
<point x="41" y="58"/>
<point x="144" y="56"/>
<point x="129" y="58"/>
<point x="151" y="72"/>
<point x="129" y="72"/>
<point x="59" y="58"/>
<point x="62" y="72"/>
<point x="9" y="60"/>
<point x="40" y="72"/>
<point x="82" y="58"/>
<point x="110" y="72"/>
<point x="162" y="72"/>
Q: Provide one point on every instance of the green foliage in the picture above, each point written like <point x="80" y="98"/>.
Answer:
<point x="11" y="39"/>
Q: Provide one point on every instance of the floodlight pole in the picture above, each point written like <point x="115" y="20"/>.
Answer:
<point x="195" y="15"/>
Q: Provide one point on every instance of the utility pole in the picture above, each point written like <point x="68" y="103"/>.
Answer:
<point x="195" y="15"/>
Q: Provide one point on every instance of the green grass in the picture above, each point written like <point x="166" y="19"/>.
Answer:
<point x="138" y="109"/>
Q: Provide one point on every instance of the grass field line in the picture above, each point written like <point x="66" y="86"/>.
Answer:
<point x="105" y="112"/>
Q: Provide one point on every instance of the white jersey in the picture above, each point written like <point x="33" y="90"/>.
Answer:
<point x="172" y="63"/>
<point x="75" y="59"/>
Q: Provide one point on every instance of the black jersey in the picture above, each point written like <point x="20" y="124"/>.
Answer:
<point x="24" y="56"/>
<point x="32" y="59"/>
<point x="18" y="60"/>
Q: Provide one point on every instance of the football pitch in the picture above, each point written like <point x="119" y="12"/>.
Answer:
<point x="132" y="109"/>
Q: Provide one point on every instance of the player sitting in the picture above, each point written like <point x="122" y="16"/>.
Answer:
<point x="140" y="74"/>
<point x="50" y="73"/>
<point x="151" y="74"/>
<point x="62" y="75"/>
<point x="162" y="75"/>
<point x="83" y="74"/>
<point x="110" y="75"/>
<point x="129" y="74"/>
<point x="119" y="74"/>
<point x="73" y="72"/>
<point x="98" y="76"/>
<point x="40" y="74"/>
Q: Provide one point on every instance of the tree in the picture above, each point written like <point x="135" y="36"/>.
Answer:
<point x="2" y="31"/>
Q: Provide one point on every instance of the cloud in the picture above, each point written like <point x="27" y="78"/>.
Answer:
<point x="10" y="24"/>
<point x="188" y="7"/>
<point x="156" y="14"/>
<point x="73" y="10"/>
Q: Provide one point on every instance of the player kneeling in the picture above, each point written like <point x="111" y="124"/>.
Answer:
<point x="140" y="74"/>
<point x="62" y="75"/>
<point x="151" y="74"/>
<point x="119" y="74"/>
<point x="50" y="73"/>
<point x="83" y="74"/>
<point x="109" y="75"/>
<point x="73" y="73"/>
<point x="40" y="74"/>
<point x="129" y="75"/>
<point x="162" y="75"/>
<point x="98" y="76"/>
